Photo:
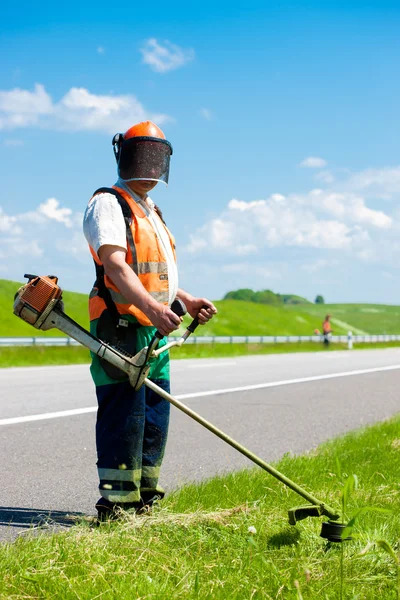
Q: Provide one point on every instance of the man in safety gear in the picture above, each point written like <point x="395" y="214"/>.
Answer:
<point x="327" y="330"/>
<point x="137" y="280"/>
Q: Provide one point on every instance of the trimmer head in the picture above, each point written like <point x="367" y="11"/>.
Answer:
<point x="333" y="532"/>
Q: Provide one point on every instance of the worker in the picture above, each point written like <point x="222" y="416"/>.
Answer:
<point x="136" y="283"/>
<point x="327" y="330"/>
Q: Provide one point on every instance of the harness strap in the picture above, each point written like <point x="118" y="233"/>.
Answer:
<point x="104" y="292"/>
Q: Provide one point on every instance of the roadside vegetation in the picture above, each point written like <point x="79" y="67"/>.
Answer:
<point x="35" y="356"/>
<point x="228" y="537"/>
<point x="235" y="317"/>
<point x="287" y="315"/>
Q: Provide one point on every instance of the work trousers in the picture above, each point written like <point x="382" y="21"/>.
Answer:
<point x="131" y="434"/>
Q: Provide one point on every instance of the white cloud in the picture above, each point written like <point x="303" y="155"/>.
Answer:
<point x="268" y="223"/>
<point x="50" y="210"/>
<point x="8" y="224"/>
<point x="19" y="108"/>
<point x="345" y="205"/>
<point x="337" y="241"/>
<point x="48" y="239"/>
<point x="382" y="183"/>
<point x="313" y="162"/>
<point x="77" y="110"/>
<point x="320" y="219"/>
<point x="166" y="57"/>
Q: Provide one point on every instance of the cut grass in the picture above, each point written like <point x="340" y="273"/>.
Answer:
<point x="34" y="356"/>
<point x="228" y="537"/>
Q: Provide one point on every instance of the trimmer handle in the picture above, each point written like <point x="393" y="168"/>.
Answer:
<point x="179" y="308"/>
<point x="195" y="321"/>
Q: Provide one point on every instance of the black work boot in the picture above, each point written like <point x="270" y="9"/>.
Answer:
<point x="148" y="502"/>
<point x="112" y="511"/>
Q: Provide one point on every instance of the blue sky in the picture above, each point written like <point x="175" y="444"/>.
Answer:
<point x="284" y="121"/>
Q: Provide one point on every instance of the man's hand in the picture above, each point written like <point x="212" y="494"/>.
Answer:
<point x="164" y="319"/>
<point x="198" y="307"/>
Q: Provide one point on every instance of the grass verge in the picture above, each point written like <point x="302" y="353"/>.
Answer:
<point x="229" y="538"/>
<point x="34" y="356"/>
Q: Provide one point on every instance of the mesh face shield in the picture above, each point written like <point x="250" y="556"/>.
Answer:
<point x="142" y="158"/>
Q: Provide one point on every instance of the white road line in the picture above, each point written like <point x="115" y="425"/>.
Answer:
<point x="245" y="388"/>
<point x="44" y="416"/>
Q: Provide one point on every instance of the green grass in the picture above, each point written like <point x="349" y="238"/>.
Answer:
<point x="40" y="355"/>
<point x="35" y="356"/>
<point x="198" y="544"/>
<point x="359" y="318"/>
<point x="236" y="317"/>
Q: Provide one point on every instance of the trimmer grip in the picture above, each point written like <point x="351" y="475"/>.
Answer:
<point x="179" y="308"/>
<point x="195" y="321"/>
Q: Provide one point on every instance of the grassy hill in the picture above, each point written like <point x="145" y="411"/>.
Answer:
<point x="235" y="317"/>
<point x="359" y="318"/>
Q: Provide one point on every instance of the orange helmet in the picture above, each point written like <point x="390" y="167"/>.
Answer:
<point x="142" y="153"/>
<point x="144" y="129"/>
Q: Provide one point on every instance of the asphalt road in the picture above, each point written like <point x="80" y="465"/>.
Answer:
<point x="271" y="404"/>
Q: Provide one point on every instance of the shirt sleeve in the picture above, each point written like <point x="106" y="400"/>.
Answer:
<point x="103" y="223"/>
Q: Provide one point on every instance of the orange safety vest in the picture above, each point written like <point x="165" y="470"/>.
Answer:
<point x="326" y="326"/>
<point x="145" y="257"/>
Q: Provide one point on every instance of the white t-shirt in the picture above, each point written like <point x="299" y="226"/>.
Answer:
<point x="103" y="223"/>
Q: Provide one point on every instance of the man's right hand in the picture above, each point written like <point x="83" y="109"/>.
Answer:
<point x="164" y="319"/>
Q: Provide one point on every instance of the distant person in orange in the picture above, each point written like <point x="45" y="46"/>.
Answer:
<point x="327" y="330"/>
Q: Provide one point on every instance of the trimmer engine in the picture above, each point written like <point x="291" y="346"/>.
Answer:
<point x="35" y="300"/>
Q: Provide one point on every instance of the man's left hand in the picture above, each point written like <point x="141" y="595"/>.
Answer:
<point x="199" y="307"/>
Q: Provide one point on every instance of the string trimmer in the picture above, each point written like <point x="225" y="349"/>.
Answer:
<point x="39" y="302"/>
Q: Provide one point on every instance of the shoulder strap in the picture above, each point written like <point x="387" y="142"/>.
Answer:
<point x="126" y="211"/>
<point x="104" y="292"/>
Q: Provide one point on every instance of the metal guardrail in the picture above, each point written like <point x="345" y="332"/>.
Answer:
<point x="233" y="339"/>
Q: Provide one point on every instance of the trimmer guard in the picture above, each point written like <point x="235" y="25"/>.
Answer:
<point x="302" y="512"/>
